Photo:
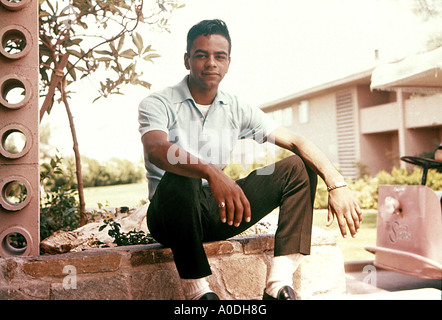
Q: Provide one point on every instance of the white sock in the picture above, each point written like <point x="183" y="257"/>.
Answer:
<point x="281" y="272"/>
<point x="194" y="288"/>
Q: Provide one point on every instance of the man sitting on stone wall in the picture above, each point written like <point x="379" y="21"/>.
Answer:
<point x="188" y="133"/>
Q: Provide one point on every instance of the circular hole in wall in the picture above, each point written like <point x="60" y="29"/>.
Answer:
<point x="15" y="91"/>
<point x="14" y="142"/>
<point x="15" y="41"/>
<point x="14" y="4"/>
<point x="15" y="241"/>
<point x="15" y="193"/>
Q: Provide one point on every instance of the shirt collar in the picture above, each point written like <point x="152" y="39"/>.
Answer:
<point x="182" y="93"/>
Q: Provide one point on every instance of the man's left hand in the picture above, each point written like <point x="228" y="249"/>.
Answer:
<point x="346" y="209"/>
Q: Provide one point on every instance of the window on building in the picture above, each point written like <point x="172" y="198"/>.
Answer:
<point x="277" y="116"/>
<point x="287" y="117"/>
<point x="303" y="111"/>
<point x="283" y="116"/>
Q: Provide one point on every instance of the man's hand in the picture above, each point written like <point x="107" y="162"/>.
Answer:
<point x="232" y="202"/>
<point x="342" y="205"/>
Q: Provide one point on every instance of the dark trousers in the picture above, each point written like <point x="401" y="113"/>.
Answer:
<point x="183" y="214"/>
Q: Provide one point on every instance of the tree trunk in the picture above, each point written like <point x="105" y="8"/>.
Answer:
<point x="76" y="154"/>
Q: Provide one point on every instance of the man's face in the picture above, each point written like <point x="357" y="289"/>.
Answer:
<point x="208" y="60"/>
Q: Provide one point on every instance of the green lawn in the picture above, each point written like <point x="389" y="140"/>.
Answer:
<point x="128" y="195"/>
<point x="352" y="248"/>
<point x="132" y="195"/>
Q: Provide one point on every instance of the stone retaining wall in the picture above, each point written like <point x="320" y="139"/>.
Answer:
<point x="239" y="267"/>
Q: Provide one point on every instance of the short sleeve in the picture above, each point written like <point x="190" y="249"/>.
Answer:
<point x="152" y="115"/>
<point x="256" y="124"/>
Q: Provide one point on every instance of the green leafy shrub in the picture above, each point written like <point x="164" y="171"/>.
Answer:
<point x="132" y="237"/>
<point x="58" y="202"/>
<point x="111" y="172"/>
<point x="59" y="207"/>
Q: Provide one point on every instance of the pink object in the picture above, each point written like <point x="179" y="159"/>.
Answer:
<point x="409" y="231"/>
<point x="19" y="121"/>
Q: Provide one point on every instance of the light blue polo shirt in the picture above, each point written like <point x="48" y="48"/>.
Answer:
<point x="212" y="137"/>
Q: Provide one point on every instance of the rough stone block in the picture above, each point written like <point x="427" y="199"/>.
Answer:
<point x="221" y="247"/>
<point x="8" y="270"/>
<point x="321" y="237"/>
<point x="239" y="277"/>
<point x="159" y="285"/>
<point x="153" y="254"/>
<point x="254" y="245"/>
<point x="321" y="273"/>
<point x="84" y="263"/>
<point x="109" y="287"/>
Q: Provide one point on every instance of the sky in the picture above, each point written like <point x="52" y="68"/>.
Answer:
<point x="279" y="47"/>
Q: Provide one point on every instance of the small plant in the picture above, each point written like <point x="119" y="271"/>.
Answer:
<point x="58" y="203"/>
<point x="132" y="237"/>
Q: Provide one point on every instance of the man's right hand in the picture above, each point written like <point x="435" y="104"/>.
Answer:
<point x="232" y="202"/>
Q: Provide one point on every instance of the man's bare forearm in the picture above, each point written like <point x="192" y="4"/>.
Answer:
<point x="316" y="159"/>
<point x="310" y="153"/>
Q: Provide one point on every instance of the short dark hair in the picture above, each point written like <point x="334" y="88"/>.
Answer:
<point x="205" y="28"/>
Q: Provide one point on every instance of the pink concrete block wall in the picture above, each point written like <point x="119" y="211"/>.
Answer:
<point x="19" y="166"/>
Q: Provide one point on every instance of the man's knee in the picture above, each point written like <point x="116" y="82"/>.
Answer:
<point x="173" y="209"/>
<point x="301" y="173"/>
<point x="295" y="166"/>
<point x="293" y="161"/>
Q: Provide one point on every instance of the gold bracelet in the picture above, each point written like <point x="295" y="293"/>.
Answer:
<point x="336" y="186"/>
